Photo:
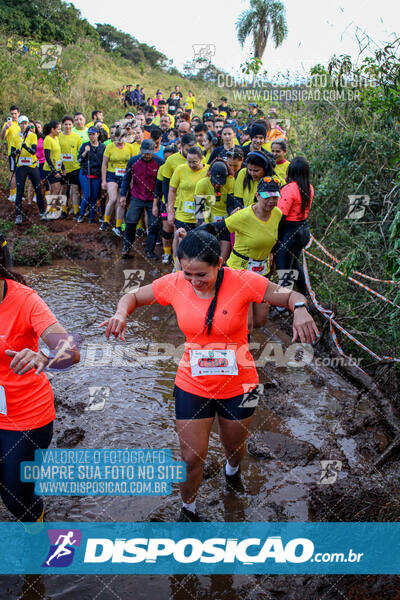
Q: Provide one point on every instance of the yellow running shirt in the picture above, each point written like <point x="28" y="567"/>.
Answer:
<point x="281" y="170"/>
<point x="253" y="238"/>
<point x="11" y="133"/>
<point x="215" y="200"/>
<point x="69" y="145"/>
<point x="248" y="196"/>
<point x="26" y="159"/>
<point x="53" y="145"/>
<point x="118" y="158"/>
<point x="190" y="102"/>
<point x="136" y="148"/>
<point x="184" y="180"/>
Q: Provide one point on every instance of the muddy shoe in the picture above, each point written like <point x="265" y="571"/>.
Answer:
<point x="117" y="231"/>
<point x="103" y="227"/>
<point x="152" y="255"/>
<point x="187" y="516"/>
<point x="125" y="252"/>
<point x="43" y="216"/>
<point x="81" y="219"/>
<point x="234" y="482"/>
<point x="18" y="220"/>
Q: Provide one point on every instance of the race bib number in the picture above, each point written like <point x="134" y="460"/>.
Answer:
<point x="189" y="207"/>
<point x="3" y="403"/>
<point x="25" y="161"/>
<point x="58" y="165"/>
<point x="258" y="266"/>
<point x="213" y="362"/>
<point x="120" y="172"/>
<point x="217" y="219"/>
<point x="67" y="157"/>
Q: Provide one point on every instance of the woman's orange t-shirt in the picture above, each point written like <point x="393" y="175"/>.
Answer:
<point x="290" y="202"/>
<point x="229" y="330"/>
<point x="24" y="316"/>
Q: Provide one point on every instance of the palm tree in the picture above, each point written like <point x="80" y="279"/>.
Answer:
<point x="263" y="18"/>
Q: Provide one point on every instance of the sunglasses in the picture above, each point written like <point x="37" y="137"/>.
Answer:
<point x="269" y="179"/>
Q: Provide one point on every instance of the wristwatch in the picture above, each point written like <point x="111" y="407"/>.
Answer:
<point x="49" y="354"/>
<point x="299" y="305"/>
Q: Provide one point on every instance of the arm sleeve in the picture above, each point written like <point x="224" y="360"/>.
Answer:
<point x="164" y="288"/>
<point x="165" y="189"/>
<point x="48" y="159"/>
<point x="127" y="178"/>
<point x="39" y="315"/>
<point x="158" y="189"/>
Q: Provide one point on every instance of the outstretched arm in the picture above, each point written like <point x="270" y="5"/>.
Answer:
<point x="304" y="326"/>
<point x="116" y="325"/>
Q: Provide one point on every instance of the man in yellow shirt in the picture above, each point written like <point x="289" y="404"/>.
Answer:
<point x="70" y="143"/>
<point x="8" y="132"/>
<point x="162" y="110"/>
<point x="97" y="115"/>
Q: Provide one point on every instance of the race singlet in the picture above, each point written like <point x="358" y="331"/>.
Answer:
<point x="213" y="362"/>
<point x="258" y="266"/>
<point x="119" y="172"/>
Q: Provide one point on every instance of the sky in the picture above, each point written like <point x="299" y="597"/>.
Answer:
<point x="317" y="29"/>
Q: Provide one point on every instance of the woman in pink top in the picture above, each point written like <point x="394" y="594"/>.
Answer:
<point x="294" y="232"/>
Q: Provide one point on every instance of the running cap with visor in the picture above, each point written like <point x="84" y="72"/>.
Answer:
<point x="219" y="173"/>
<point x="147" y="147"/>
<point x="268" y="186"/>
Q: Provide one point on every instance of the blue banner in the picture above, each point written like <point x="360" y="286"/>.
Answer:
<point x="202" y="548"/>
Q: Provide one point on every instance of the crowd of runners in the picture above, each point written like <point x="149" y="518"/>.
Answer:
<point x="215" y="190"/>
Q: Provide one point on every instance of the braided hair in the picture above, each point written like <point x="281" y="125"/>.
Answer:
<point x="202" y="245"/>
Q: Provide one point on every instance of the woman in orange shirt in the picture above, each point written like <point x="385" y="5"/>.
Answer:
<point x="294" y="233"/>
<point x="26" y="397"/>
<point x="217" y="372"/>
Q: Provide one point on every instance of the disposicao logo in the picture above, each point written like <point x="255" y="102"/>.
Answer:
<point x="62" y="547"/>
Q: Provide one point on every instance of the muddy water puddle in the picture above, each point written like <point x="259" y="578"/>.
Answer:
<point x="298" y="424"/>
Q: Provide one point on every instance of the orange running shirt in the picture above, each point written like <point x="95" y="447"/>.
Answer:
<point x="229" y="330"/>
<point x="290" y="202"/>
<point x="24" y="316"/>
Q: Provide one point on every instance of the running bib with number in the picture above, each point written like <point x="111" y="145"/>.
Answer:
<point x="189" y="207"/>
<point x="25" y="161"/>
<point x="58" y="165"/>
<point x="120" y="172"/>
<point x="258" y="266"/>
<point x="3" y="403"/>
<point x="217" y="219"/>
<point x="213" y="362"/>
<point x="67" y="157"/>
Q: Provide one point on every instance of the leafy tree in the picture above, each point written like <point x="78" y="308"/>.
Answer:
<point x="45" y="21"/>
<point x="127" y="46"/>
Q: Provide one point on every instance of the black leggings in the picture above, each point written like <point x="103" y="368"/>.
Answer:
<point x="16" y="447"/>
<point x="34" y="175"/>
<point x="294" y="237"/>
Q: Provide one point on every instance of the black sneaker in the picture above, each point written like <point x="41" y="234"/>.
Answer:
<point x="152" y="255"/>
<point x="139" y="232"/>
<point x="234" y="482"/>
<point x="64" y="215"/>
<point x="187" y="516"/>
<point x="125" y="252"/>
<point x="103" y="227"/>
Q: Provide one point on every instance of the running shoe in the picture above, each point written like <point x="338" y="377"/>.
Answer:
<point x="11" y="197"/>
<point x="152" y="255"/>
<point x="117" y="231"/>
<point x="81" y="219"/>
<point x="76" y="217"/>
<point x="18" y="220"/>
<point x="139" y="232"/>
<point x="103" y="227"/>
<point x="125" y="252"/>
<point x="43" y="216"/>
<point x="234" y="482"/>
<point x="187" y="516"/>
<point x="165" y="259"/>
<point x="63" y="215"/>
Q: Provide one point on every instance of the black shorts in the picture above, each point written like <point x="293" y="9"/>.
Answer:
<point x="51" y="178"/>
<point x="189" y="406"/>
<point x="186" y="226"/>
<point x="71" y="178"/>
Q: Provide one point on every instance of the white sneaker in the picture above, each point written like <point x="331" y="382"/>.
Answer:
<point x="11" y="197"/>
<point x="165" y="259"/>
